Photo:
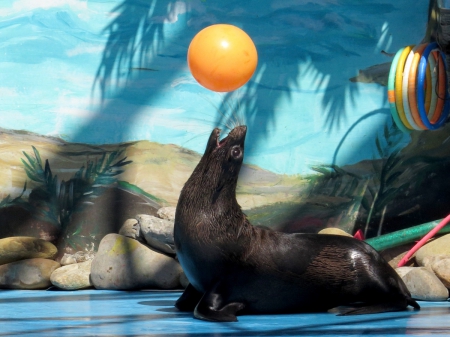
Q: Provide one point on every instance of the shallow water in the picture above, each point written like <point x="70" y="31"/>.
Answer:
<point x="151" y="313"/>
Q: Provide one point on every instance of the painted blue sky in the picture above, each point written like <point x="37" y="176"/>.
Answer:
<point x="107" y="71"/>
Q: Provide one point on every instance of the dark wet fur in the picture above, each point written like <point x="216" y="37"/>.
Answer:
<point x="236" y="268"/>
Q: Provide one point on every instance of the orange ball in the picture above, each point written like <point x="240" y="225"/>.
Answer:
<point x="222" y="57"/>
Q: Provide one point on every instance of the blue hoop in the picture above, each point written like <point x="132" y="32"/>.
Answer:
<point x="420" y="93"/>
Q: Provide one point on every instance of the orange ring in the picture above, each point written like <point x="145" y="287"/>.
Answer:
<point x="412" y="86"/>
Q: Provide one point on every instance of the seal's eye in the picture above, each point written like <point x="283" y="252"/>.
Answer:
<point x="236" y="152"/>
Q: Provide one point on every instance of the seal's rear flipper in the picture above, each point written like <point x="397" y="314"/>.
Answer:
<point x="189" y="299"/>
<point x="413" y="303"/>
<point x="373" y="308"/>
<point x="212" y="308"/>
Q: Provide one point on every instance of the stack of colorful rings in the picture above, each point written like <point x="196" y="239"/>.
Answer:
<point x="418" y="88"/>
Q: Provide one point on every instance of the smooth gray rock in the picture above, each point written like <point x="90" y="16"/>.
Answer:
<point x="441" y="268"/>
<point x="131" y="229"/>
<point x="439" y="246"/>
<point x="124" y="263"/>
<point x="27" y="274"/>
<point x="167" y="213"/>
<point x="423" y="284"/>
<point x="158" y="233"/>
<point x="73" y="276"/>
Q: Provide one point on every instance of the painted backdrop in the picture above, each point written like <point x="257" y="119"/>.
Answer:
<point x="95" y="96"/>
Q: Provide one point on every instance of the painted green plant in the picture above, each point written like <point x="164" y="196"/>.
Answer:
<point x="55" y="200"/>
<point x="368" y="194"/>
<point x="43" y="198"/>
<point x="385" y="185"/>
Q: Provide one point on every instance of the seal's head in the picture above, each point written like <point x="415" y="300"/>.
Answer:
<point x="208" y="197"/>
<point x="222" y="160"/>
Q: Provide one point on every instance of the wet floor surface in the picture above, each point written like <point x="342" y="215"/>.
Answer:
<point x="151" y="313"/>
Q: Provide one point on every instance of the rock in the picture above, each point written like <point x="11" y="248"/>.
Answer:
<point x="158" y="233"/>
<point x="167" y="213"/>
<point x="131" y="229"/>
<point x="395" y="254"/>
<point x="334" y="231"/>
<point x="428" y="261"/>
<point x="441" y="268"/>
<point x="124" y="263"/>
<point x="83" y="256"/>
<point x="439" y="246"/>
<point x="101" y="213"/>
<point x="23" y="247"/>
<point x="402" y="271"/>
<point x="442" y="271"/>
<point x="68" y="259"/>
<point x="77" y="257"/>
<point x="73" y="276"/>
<point x="423" y="284"/>
<point x="27" y="274"/>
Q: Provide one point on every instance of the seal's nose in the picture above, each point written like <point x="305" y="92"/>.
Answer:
<point x="242" y="129"/>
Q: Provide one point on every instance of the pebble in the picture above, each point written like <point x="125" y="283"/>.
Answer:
<point x="18" y="248"/>
<point x="27" y="274"/>
<point x="68" y="259"/>
<point x="124" y="263"/>
<point x="131" y="229"/>
<point x="423" y="284"/>
<point x="167" y="213"/>
<point x="73" y="276"/>
<point x="439" y="246"/>
<point x="158" y="233"/>
<point x="77" y="257"/>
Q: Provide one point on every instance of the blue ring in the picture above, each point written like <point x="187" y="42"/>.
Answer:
<point x="420" y="94"/>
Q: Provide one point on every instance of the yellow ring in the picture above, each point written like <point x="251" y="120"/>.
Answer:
<point x="398" y="86"/>
<point x="405" y="80"/>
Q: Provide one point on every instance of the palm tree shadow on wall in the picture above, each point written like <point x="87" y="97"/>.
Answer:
<point x="402" y="186"/>
<point x="124" y="66"/>
<point x="131" y="37"/>
<point x="136" y="34"/>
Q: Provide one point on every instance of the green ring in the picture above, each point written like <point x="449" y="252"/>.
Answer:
<point x="391" y="87"/>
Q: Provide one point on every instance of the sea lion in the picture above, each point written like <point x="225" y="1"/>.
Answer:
<point x="236" y="268"/>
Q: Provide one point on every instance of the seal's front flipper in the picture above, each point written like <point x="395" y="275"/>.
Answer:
<point x="189" y="299"/>
<point x="370" y="309"/>
<point x="212" y="307"/>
